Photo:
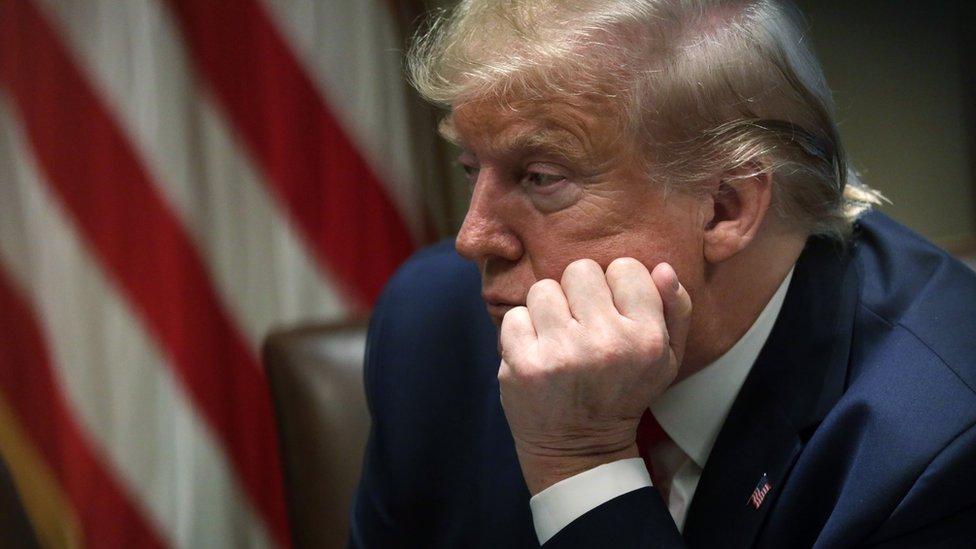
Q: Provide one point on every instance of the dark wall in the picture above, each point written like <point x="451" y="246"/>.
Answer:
<point x="904" y="104"/>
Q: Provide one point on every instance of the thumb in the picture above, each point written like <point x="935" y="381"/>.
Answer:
<point x="677" y="307"/>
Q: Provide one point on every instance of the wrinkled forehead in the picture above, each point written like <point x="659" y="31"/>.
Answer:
<point x="585" y="128"/>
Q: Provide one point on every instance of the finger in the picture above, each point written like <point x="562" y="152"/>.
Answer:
<point x="517" y="334"/>
<point x="677" y="306"/>
<point x="547" y="306"/>
<point x="634" y="293"/>
<point x="587" y="292"/>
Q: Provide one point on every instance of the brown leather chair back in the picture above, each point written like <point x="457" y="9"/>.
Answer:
<point x="315" y="373"/>
<point x="15" y="528"/>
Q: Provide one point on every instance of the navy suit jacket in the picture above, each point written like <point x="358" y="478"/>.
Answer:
<point x="860" y="411"/>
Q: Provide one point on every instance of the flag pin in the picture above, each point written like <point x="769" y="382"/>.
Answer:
<point x="759" y="494"/>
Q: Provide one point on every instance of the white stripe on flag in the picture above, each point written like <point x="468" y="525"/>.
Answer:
<point x="351" y="50"/>
<point x="119" y="387"/>
<point x="138" y="63"/>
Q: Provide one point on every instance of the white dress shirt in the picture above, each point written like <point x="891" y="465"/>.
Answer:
<point x="691" y="412"/>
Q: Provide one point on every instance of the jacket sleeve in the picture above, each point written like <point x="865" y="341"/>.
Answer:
<point x="637" y="519"/>
<point x="370" y="521"/>
<point x="939" y="510"/>
<point x="411" y="346"/>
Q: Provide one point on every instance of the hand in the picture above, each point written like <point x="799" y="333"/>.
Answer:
<point x="583" y="360"/>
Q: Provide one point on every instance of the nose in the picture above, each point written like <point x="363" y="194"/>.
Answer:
<point x="487" y="229"/>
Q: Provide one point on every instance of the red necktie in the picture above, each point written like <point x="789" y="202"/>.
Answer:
<point x="650" y="434"/>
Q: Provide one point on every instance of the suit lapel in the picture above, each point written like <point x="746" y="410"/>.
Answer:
<point x="757" y="440"/>
<point x="798" y="377"/>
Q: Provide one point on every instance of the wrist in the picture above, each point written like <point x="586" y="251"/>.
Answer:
<point x="542" y="470"/>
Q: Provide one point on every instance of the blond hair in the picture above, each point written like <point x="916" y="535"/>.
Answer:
<point x="708" y="87"/>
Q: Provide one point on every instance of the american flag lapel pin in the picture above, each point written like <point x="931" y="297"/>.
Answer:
<point x="759" y="494"/>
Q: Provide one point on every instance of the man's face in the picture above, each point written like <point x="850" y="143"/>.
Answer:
<point x="553" y="182"/>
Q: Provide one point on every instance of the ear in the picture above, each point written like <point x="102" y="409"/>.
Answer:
<point x="739" y="201"/>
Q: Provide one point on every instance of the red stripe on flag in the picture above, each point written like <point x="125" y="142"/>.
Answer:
<point x="109" y="517"/>
<point x="90" y="165"/>
<point x="330" y="192"/>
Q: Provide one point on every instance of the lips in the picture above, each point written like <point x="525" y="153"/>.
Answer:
<point x="498" y="310"/>
<point x="497" y="306"/>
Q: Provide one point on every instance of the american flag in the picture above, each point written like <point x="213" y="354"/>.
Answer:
<point x="176" y="178"/>
<point x="759" y="493"/>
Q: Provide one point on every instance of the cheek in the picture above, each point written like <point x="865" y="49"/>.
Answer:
<point x="608" y="225"/>
<point x="549" y="258"/>
<point x="554" y="247"/>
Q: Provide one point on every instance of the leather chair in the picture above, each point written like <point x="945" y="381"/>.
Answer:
<point x="315" y="373"/>
<point x="16" y="530"/>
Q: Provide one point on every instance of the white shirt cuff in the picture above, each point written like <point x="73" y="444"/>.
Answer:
<point x="567" y="500"/>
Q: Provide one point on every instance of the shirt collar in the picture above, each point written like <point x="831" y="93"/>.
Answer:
<point x="693" y="410"/>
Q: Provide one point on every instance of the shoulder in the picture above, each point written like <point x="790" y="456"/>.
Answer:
<point x="433" y="277"/>
<point x="430" y="379"/>
<point x="434" y="298"/>
<point x="911" y="392"/>
<point x="429" y="331"/>
<point x="923" y="299"/>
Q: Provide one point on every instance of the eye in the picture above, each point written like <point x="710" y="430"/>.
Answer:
<point x="470" y="172"/>
<point x="469" y="164"/>
<point x="537" y="179"/>
<point x="542" y="179"/>
<point x="551" y="187"/>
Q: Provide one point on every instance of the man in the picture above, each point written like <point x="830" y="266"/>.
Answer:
<point x="704" y="339"/>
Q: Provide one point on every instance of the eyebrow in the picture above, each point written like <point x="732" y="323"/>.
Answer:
<point x="548" y="140"/>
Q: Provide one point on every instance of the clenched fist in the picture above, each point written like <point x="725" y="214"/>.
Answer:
<point x="583" y="360"/>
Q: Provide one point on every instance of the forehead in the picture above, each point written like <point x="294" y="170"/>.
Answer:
<point x="578" y="127"/>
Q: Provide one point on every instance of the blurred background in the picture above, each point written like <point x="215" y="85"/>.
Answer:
<point x="181" y="178"/>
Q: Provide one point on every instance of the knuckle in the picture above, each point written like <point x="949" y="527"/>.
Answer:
<point x="609" y="346"/>
<point x="542" y="288"/>
<point x="655" y="342"/>
<point x="514" y="315"/>
<point x="603" y="335"/>
<point x="508" y="355"/>
<point x="562" y="363"/>
<point x="582" y="267"/>
<point x="511" y="375"/>
<point x="526" y="369"/>
<point x="610" y="354"/>
<point x="548" y="285"/>
<point x="625" y="265"/>
<point x="536" y="376"/>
